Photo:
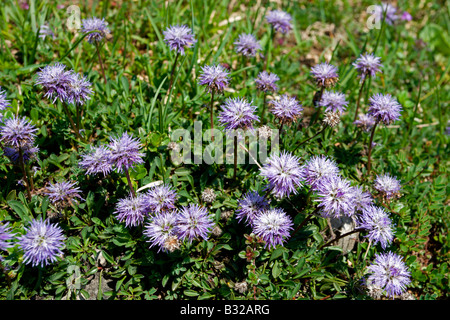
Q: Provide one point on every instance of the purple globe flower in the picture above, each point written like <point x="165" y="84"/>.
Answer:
<point x="389" y="273"/>
<point x="325" y="74"/>
<point x="4" y="103"/>
<point x="125" y="152"/>
<point x="361" y="198"/>
<point x="365" y="122"/>
<point x="376" y="222"/>
<point x="335" y="197"/>
<point x="5" y="236"/>
<point x="160" y="198"/>
<point x="384" y="107"/>
<point x="273" y="226"/>
<point x="389" y="10"/>
<point x="131" y="210"/>
<point x="388" y="186"/>
<point x="29" y="152"/>
<point x="249" y="206"/>
<point x="179" y="37"/>
<point x="193" y="222"/>
<point x="98" y="28"/>
<point x="286" y="109"/>
<point x="317" y="168"/>
<point x="17" y="132"/>
<point x="63" y="194"/>
<point x="247" y="45"/>
<point x="55" y="80"/>
<point x="367" y="64"/>
<point x="237" y="113"/>
<point x="266" y="82"/>
<point x="42" y="243"/>
<point x="283" y="173"/>
<point x="280" y="20"/>
<point x="79" y="90"/>
<point x="97" y="160"/>
<point x="333" y="101"/>
<point x="160" y="229"/>
<point x="215" y="78"/>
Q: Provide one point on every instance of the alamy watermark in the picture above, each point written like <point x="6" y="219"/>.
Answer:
<point x="196" y="145"/>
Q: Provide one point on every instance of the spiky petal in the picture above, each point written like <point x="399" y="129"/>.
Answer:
<point x="178" y="38"/>
<point x="273" y="226"/>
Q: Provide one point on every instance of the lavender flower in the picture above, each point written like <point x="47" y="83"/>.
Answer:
<point x="273" y="226"/>
<point x="97" y="160"/>
<point x="193" y="222"/>
<point x="238" y="113"/>
<point x="179" y="37"/>
<point x="376" y="222"/>
<point x="317" y="168"/>
<point x="365" y="122"/>
<point x="100" y="26"/>
<point x="5" y="236"/>
<point x="266" y="82"/>
<point x="247" y="45"/>
<point x="42" y="243"/>
<point x="29" y="152"/>
<point x="250" y="205"/>
<point x="286" y="109"/>
<point x="17" y="132"/>
<point x="387" y="186"/>
<point x="45" y="31"/>
<point x="125" y="152"/>
<point x="79" y="90"/>
<point x="160" y="198"/>
<point x="160" y="228"/>
<point x="383" y="107"/>
<point x="56" y="80"/>
<point x="335" y="197"/>
<point x="406" y="16"/>
<point x="4" y="103"/>
<point x="389" y="10"/>
<point x="389" y="272"/>
<point x="215" y="78"/>
<point x="131" y="210"/>
<point x="361" y="198"/>
<point x="283" y="173"/>
<point x="333" y="101"/>
<point x="325" y="74"/>
<point x="64" y="193"/>
<point x="367" y="64"/>
<point x="280" y="20"/>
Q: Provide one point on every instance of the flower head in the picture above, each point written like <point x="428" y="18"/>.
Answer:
<point x="193" y="222"/>
<point x="319" y="167"/>
<point x="55" y="80"/>
<point x="280" y="20"/>
<point x="250" y="205"/>
<point x="132" y="210"/>
<point x="247" y="45"/>
<point x="97" y="160"/>
<point x="63" y="193"/>
<point x="325" y="74"/>
<point x="79" y="90"/>
<point x="387" y="186"/>
<point x="273" y="226"/>
<point x="335" y="197"/>
<point x="160" y="198"/>
<point x="265" y="82"/>
<point x="215" y="78"/>
<point x="42" y="243"/>
<point x="125" y="152"/>
<point x="361" y="198"/>
<point x="333" y="101"/>
<point x="17" y="132"/>
<point x="179" y="38"/>
<point x="29" y="152"/>
<point x="283" y="173"/>
<point x="367" y="64"/>
<point x="286" y="109"/>
<point x="331" y="119"/>
<point x="5" y="236"/>
<point x="4" y="103"/>
<point x="384" y="107"/>
<point x="365" y="122"/>
<point x="160" y="228"/>
<point x="100" y="26"/>
<point x="389" y="10"/>
<point x="389" y="272"/>
<point x="238" y="113"/>
<point x="376" y="222"/>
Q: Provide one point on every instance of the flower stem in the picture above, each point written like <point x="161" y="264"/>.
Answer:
<point x="129" y="182"/>
<point x="340" y="237"/>
<point x="263" y="107"/>
<point x="319" y="132"/>
<point x="212" y="115"/>
<point x="235" y="157"/>
<point x="369" y="162"/>
<point x="359" y="98"/>
<point x="100" y="61"/>
<point x="74" y="127"/>
<point x="172" y="73"/>
<point x="25" y="178"/>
